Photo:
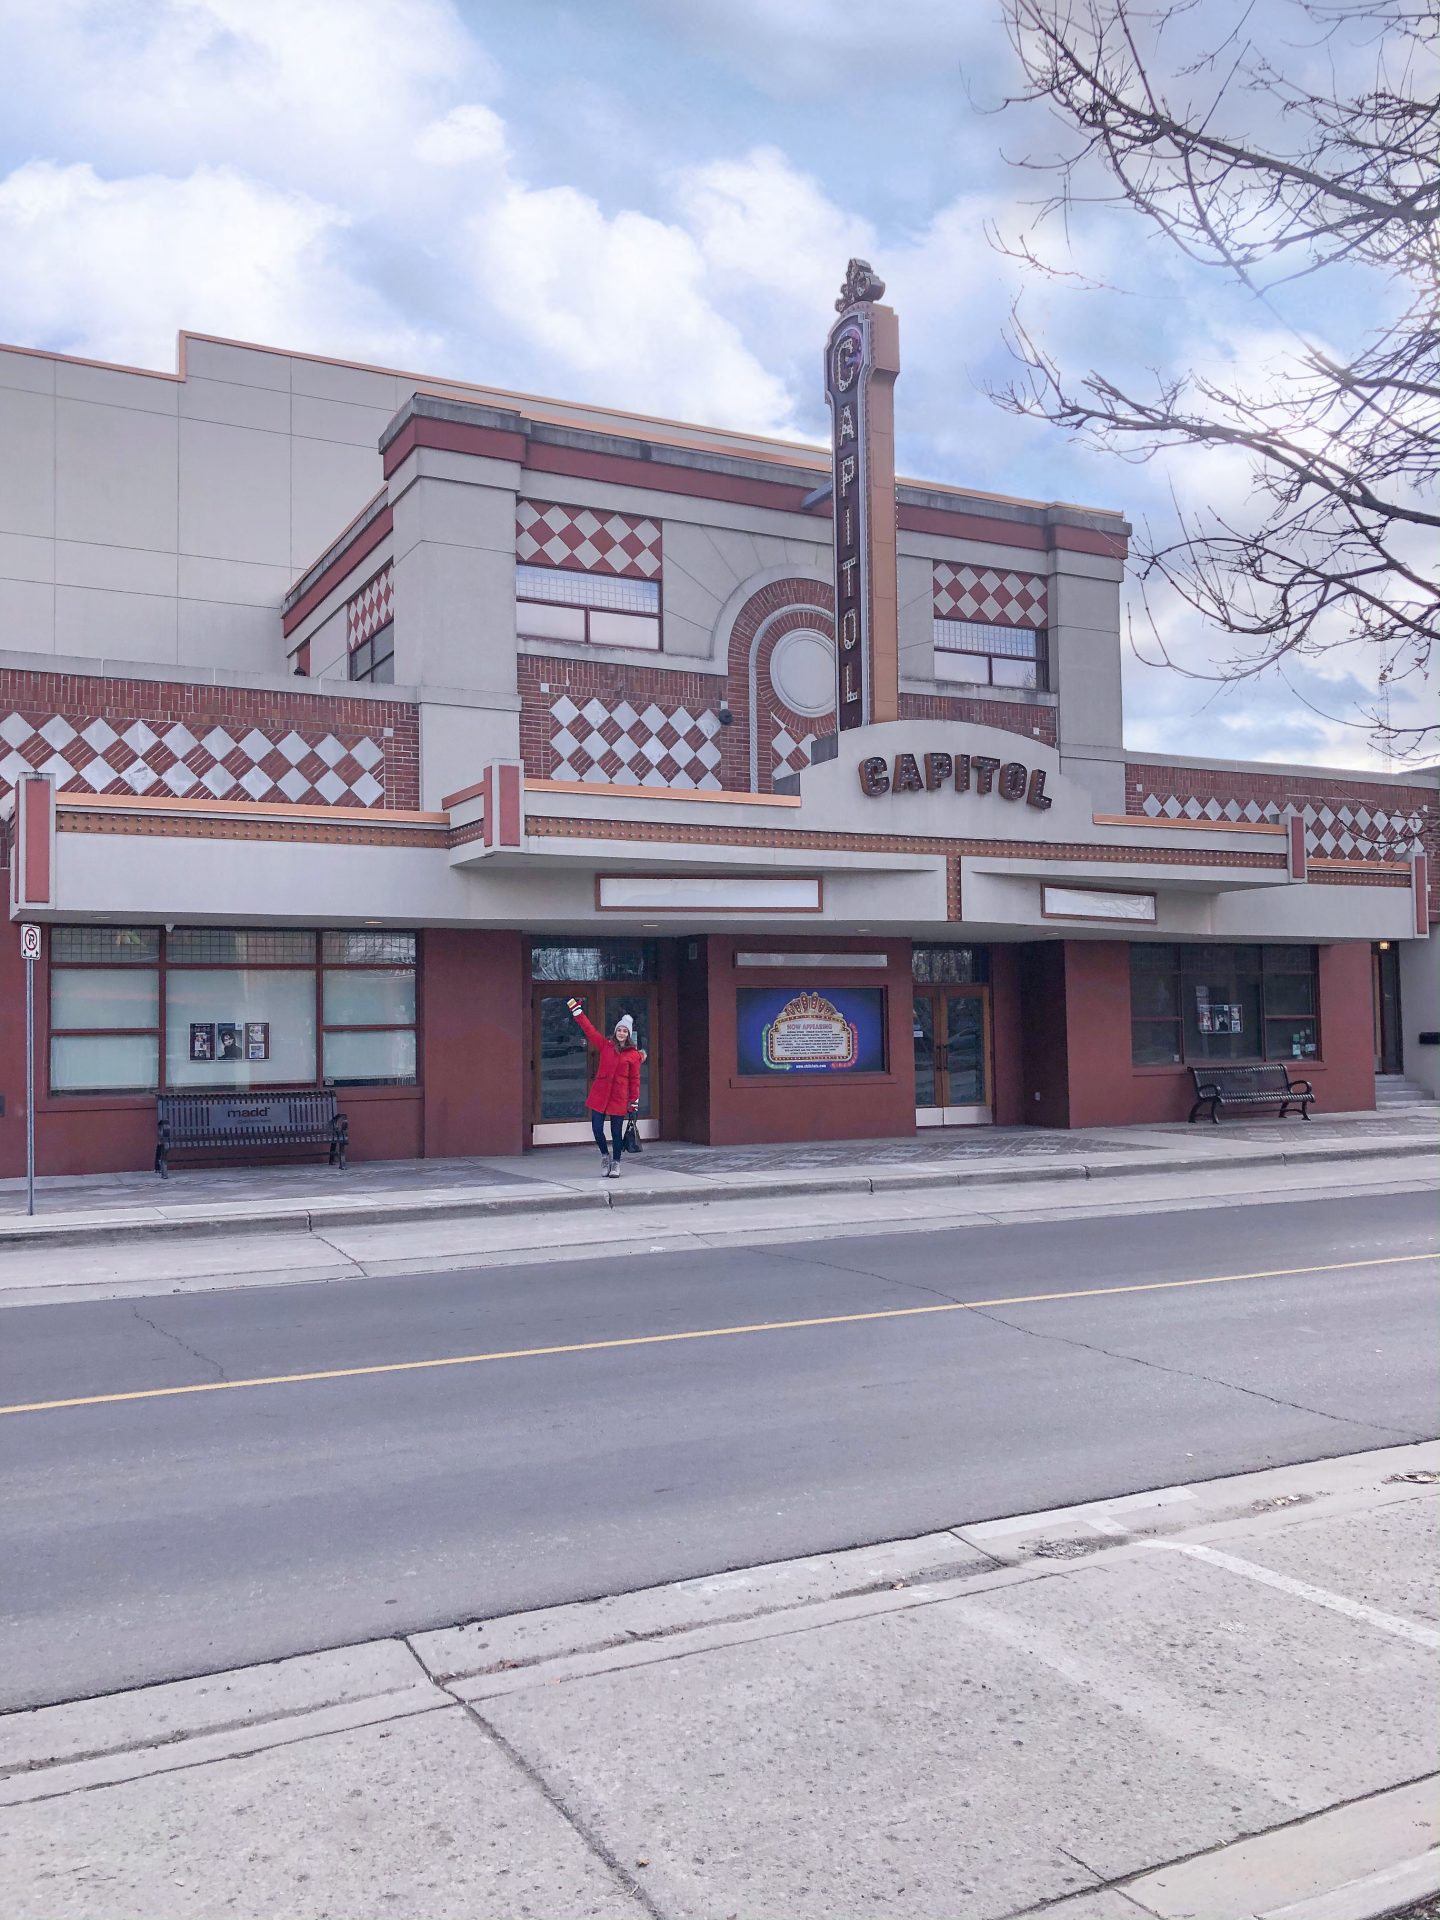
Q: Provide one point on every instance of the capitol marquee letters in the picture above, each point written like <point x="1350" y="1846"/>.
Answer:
<point x="967" y="772"/>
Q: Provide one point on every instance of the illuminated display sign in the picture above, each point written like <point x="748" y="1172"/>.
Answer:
<point x="800" y="1030"/>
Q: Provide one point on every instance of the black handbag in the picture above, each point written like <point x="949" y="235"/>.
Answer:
<point x="631" y="1142"/>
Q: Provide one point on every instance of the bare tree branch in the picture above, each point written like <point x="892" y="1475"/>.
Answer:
<point x="1239" y="159"/>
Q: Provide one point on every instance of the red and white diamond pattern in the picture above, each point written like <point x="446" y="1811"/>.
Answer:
<point x="791" y="755"/>
<point x="616" y="746"/>
<point x="1334" y="833"/>
<point x="345" y="769"/>
<point x="372" y="608"/>
<point x="586" y="542"/>
<point x="984" y="593"/>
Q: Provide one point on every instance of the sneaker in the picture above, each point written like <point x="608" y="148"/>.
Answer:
<point x="612" y="1172"/>
<point x="604" y="1160"/>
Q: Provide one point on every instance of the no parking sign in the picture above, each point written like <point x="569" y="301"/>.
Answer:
<point x="29" y="941"/>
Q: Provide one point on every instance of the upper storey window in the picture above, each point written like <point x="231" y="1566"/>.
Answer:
<point x="586" y="576"/>
<point x="990" y="627"/>
<point x="370" y="630"/>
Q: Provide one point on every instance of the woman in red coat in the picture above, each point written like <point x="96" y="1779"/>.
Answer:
<point x="615" y="1090"/>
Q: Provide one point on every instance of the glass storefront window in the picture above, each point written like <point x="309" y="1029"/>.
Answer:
<point x="378" y="1056"/>
<point x="239" y="946"/>
<point x="239" y="1027"/>
<point x="369" y="997"/>
<point x="1196" y="1003"/>
<point x="104" y="997"/>
<point x="949" y="966"/>
<point x="104" y="1009"/>
<point x="103" y="1062"/>
<point x="605" y="960"/>
<point x="241" y="1007"/>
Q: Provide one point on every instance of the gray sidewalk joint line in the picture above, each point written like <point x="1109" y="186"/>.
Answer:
<point x="144" y="1742"/>
<point x="444" y="1703"/>
<point x="1412" y="1630"/>
<point x="591" y="1840"/>
<point x="1128" y="1882"/>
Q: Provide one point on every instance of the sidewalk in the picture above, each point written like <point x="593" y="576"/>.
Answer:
<point x="265" y="1199"/>
<point x="129" y="1236"/>
<point x="1206" y="1702"/>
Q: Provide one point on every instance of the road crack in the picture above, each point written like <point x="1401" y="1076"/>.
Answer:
<point x="1190" y="1373"/>
<point x="184" y="1345"/>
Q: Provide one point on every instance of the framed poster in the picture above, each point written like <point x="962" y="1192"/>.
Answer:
<point x="202" y="1039"/>
<point x="809" y="1030"/>
<point x="257" y="1039"/>
<point x="228" y="1041"/>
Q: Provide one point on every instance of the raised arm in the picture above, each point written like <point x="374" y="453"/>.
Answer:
<point x="591" y="1032"/>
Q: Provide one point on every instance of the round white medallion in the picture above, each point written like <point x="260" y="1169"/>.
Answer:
<point x="802" y="671"/>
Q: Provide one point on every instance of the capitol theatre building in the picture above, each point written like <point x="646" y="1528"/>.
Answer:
<point x="351" y="721"/>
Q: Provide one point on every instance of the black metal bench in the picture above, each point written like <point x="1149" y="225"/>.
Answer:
<point x="1259" y="1086"/>
<point x="231" y="1122"/>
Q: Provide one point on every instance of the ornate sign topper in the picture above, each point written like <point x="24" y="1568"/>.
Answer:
<point x="966" y="772"/>
<point x="810" y="1031"/>
<point x="861" y="361"/>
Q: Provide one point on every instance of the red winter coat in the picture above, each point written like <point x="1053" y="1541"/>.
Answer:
<point x="616" y="1086"/>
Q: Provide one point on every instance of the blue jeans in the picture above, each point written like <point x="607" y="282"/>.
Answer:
<point x="617" y="1132"/>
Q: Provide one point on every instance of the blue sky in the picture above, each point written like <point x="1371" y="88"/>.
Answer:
<point x="646" y="203"/>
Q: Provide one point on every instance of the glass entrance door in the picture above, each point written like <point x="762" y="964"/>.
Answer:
<point x="563" y="1061"/>
<point x="952" y="1056"/>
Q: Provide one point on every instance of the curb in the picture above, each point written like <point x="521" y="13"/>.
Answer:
<point x="325" y="1215"/>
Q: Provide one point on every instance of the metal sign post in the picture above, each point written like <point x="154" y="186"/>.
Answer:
<point x="30" y="953"/>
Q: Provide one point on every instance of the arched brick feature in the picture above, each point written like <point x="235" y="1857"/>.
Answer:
<point x="773" y="611"/>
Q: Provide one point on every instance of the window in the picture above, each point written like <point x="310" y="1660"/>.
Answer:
<point x="984" y="655"/>
<point x="1195" y="1003"/>
<point x="374" y="659"/>
<point x="368" y="998"/>
<point x="230" y="1007"/>
<point x="104" y="1009"/>
<point x="605" y="960"/>
<point x="949" y="966"/>
<point x="555" y="603"/>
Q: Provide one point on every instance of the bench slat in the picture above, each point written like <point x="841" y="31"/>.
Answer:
<point x="1265" y="1083"/>
<point x="303" y="1117"/>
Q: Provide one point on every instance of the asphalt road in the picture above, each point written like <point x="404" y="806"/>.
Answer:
<point x="153" y="1538"/>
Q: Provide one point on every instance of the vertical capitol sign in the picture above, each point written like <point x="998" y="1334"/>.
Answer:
<point x="862" y="358"/>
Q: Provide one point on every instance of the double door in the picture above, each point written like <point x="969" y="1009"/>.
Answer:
<point x="952" y="1056"/>
<point x="563" y="1060"/>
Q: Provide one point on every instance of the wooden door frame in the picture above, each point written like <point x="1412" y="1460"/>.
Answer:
<point x="970" y="990"/>
<point x="590" y="991"/>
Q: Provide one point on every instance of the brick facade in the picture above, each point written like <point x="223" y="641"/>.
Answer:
<point x="1359" y="820"/>
<point x="179" y="739"/>
<point x="1035" y="723"/>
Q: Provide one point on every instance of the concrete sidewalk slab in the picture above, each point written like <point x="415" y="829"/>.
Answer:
<point x="267" y="1201"/>
<point x="1129" y="1734"/>
<point x="421" y="1818"/>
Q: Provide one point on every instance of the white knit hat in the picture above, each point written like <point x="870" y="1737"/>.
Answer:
<point x="627" y="1023"/>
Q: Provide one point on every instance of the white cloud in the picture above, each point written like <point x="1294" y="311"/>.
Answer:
<point x="314" y="91"/>
<point x="113" y="269"/>
<point x="467" y="133"/>
<point x="620" y="302"/>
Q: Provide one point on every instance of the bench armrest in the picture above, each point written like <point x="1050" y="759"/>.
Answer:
<point x="1299" y="1086"/>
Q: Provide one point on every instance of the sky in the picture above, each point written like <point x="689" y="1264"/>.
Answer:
<point x="640" y="203"/>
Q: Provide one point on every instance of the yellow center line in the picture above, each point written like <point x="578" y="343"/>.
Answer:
<point x="698" y="1333"/>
